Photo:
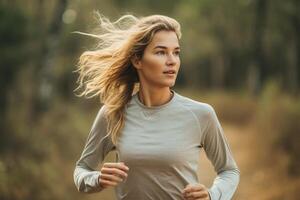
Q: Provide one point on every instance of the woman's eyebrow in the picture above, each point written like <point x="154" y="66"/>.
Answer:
<point x="164" y="47"/>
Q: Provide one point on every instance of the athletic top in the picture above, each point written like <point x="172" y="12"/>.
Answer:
<point x="161" y="147"/>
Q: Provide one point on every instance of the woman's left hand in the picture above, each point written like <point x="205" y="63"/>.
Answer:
<point x="195" y="192"/>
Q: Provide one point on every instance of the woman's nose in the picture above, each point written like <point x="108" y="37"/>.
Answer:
<point x="171" y="59"/>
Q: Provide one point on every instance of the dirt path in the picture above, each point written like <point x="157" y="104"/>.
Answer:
<point x="262" y="176"/>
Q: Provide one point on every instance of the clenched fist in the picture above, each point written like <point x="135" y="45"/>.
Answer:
<point x="112" y="174"/>
<point x="195" y="192"/>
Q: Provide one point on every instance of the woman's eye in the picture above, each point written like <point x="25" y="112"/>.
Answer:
<point x="177" y="53"/>
<point x="160" y="52"/>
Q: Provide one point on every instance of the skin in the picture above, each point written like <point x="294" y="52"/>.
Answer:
<point x="112" y="174"/>
<point x="161" y="54"/>
<point x="195" y="192"/>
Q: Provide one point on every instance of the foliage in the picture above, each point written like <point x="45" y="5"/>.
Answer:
<point x="39" y="147"/>
<point x="278" y="121"/>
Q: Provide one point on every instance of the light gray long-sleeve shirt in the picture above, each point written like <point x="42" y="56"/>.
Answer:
<point x="161" y="147"/>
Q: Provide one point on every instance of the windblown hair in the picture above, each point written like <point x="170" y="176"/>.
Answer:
<point x="107" y="70"/>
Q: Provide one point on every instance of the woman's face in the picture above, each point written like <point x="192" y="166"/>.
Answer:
<point x="160" y="62"/>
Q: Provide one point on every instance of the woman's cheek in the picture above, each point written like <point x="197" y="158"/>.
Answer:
<point x="156" y="65"/>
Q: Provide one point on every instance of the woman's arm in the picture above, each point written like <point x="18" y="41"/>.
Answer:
<point x="97" y="146"/>
<point x="218" y="152"/>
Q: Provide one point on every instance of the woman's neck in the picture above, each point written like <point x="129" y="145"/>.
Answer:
<point x="154" y="97"/>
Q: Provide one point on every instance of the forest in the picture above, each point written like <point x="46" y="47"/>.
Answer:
<point x="240" y="56"/>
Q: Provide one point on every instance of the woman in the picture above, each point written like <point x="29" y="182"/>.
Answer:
<point x="157" y="133"/>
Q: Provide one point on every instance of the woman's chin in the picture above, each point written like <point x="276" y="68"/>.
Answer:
<point x="170" y="84"/>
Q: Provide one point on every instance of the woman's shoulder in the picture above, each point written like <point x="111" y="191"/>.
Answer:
<point x="200" y="108"/>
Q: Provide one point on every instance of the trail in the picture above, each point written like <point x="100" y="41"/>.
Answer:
<point x="262" y="176"/>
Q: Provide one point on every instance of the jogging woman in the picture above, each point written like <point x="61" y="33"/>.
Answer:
<point x="156" y="132"/>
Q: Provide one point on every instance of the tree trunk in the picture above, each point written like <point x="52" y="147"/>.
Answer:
<point x="258" y="66"/>
<point x="45" y="73"/>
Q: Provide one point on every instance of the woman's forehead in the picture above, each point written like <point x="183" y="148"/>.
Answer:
<point x="164" y="39"/>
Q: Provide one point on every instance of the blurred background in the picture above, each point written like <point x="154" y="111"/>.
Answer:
<point x="240" y="56"/>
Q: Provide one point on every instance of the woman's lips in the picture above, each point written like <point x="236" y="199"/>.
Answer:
<point x="170" y="72"/>
<point x="172" y="75"/>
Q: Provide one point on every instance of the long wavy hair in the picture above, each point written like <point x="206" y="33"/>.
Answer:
<point x="107" y="70"/>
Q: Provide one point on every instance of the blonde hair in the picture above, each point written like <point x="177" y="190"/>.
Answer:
<point x="107" y="70"/>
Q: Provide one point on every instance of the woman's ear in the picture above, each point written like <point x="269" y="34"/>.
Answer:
<point x="136" y="62"/>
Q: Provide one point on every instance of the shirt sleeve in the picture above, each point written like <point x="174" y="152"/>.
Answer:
<point x="98" y="145"/>
<point x="218" y="152"/>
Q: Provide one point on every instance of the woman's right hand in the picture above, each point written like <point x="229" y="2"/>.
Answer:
<point x="112" y="174"/>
